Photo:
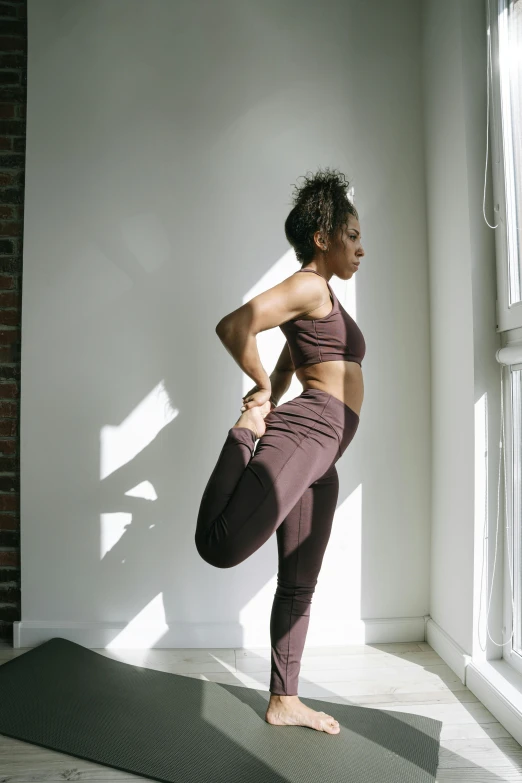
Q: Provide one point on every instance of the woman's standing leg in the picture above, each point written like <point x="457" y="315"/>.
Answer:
<point x="302" y="539"/>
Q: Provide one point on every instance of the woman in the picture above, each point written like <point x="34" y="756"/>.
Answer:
<point x="290" y="485"/>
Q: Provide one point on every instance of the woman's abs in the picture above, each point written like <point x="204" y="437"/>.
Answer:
<point x="341" y="379"/>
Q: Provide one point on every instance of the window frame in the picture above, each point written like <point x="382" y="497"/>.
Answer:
<point x="512" y="548"/>
<point x="508" y="317"/>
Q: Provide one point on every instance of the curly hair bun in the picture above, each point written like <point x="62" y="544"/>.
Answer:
<point x="321" y="204"/>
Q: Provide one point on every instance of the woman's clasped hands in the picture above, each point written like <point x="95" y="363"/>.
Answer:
<point x="257" y="396"/>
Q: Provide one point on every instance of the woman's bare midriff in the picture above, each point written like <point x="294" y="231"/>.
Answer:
<point x="341" y="379"/>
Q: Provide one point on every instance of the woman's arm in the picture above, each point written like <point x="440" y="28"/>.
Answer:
<point x="280" y="382"/>
<point x="241" y="344"/>
<point x="280" y="379"/>
<point x="238" y="330"/>
<point x="284" y="363"/>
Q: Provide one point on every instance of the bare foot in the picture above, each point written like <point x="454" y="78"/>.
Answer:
<point x="253" y="418"/>
<point x="290" y="711"/>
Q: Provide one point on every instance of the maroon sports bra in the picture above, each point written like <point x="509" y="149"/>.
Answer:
<point x="334" y="337"/>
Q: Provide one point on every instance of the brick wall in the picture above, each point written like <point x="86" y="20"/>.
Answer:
<point x="13" y="89"/>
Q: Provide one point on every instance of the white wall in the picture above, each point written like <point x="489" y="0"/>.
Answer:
<point x="162" y="145"/>
<point x="465" y="375"/>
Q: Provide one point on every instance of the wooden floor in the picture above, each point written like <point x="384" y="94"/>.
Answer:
<point x="407" y="677"/>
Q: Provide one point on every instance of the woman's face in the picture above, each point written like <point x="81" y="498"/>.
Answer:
<point x="347" y="251"/>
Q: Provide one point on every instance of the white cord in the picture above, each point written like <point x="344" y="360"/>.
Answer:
<point x="484" y="560"/>
<point x="488" y="71"/>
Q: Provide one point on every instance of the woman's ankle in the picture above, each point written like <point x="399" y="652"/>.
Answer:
<point x="246" y="427"/>
<point x="245" y="421"/>
<point x="276" y="697"/>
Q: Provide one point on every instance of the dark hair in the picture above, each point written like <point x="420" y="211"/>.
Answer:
<point x="320" y="204"/>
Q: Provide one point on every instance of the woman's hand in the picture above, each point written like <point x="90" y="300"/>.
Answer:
<point x="257" y="396"/>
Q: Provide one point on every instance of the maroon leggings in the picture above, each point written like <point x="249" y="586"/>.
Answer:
<point x="288" y="486"/>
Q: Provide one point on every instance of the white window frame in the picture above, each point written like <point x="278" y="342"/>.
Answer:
<point x="507" y="317"/>
<point x="512" y="547"/>
<point x="509" y="321"/>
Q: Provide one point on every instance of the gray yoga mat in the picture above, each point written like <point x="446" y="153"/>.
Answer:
<point x="178" y="729"/>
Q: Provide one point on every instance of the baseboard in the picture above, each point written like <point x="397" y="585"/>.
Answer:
<point x="495" y="683"/>
<point x="30" y="633"/>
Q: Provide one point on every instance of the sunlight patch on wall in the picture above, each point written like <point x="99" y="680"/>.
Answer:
<point x="256" y="633"/>
<point x="113" y="524"/>
<point x="145" y="629"/>
<point x="482" y="566"/>
<point x="121" y="443"/>
<point x="336" y="613"/>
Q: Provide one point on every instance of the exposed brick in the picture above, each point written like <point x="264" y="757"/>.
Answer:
<point x="8" y="336"/>
<point x="9" y="483"/>
<point x="9" y="575"/>
<point x="6" y="247"/>
<point x="12" y="60"/>
<point x="9" y="299"/>
<point x="10" y="594"/>
<point x="15" y="28"/>
<point x="9" y="502"/>
<point x="6" y="354"/>
<point x="7" y="281"/>
<point x="7" y="10"/>
<point x="11" y="228"/>
<point x="8" y="408"/>
<point x="12" y="44"/>
<point x="11" y="195"/>
<point x="11" y="264"/>
<point x="10" y="317"/>
<point x="12" y="127"/>
<point x="8" y="446"/>
<point x="8" y="428"/>
<point x="10" y="372"/>
<point x="13" y="99"/>
<point x="10" y="77"/>
<point x="7" y="178"/>
<point x="8" y="614"/>
<point x="9" y="522"/>
<point x="9" y="557"/>
<point x="9" y="538"/>
<point x="8" y="391"/>
<point x="11" y="161"/>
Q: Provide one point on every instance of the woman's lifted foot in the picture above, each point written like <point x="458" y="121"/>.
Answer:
<point x="253" y="419"/>
<point x="290" y="711"/>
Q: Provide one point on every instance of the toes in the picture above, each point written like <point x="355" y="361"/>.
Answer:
<point x="330" y="717"/>
<point x="329" y="720"/>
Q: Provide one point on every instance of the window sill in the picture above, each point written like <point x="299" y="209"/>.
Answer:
<point x="499" y="687"/>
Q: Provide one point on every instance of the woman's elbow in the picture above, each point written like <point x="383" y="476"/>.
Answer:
<point x="222" y="326"/>
<point x="233" y="322"/>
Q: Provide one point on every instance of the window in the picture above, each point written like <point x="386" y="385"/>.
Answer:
<point x="506" y="116"/>
<point x="505" y="52"/>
